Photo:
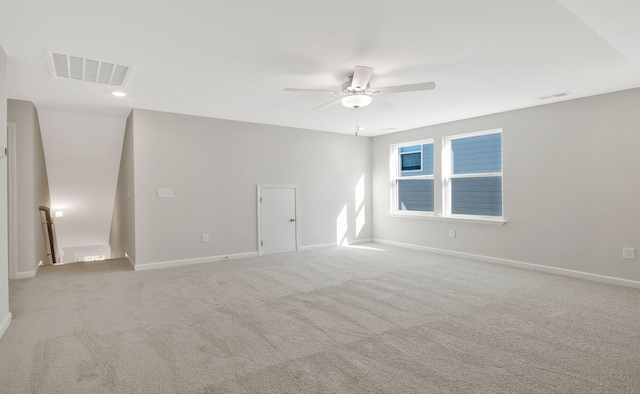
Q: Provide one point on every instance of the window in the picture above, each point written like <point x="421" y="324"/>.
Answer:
<point x="413" y="176"/>
<point x="472" y="174"/>
<point x="470" y="170"/>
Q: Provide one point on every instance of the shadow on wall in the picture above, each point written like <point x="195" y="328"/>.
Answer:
<point x="342" y="221"/>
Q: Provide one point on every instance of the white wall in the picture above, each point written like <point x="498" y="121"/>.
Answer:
<point x="5" y="316"/>
<point x="32" y="187"/>
<point x="82" y="154"/>
<point x="214" y="165"/>
<point x="122" y="238"/>
<point x="571" y="190"/>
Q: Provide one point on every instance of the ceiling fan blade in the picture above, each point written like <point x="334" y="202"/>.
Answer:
<point x="324" y="105"/>
<point x="361" y="77"/>
<point x="382" y="101"/>
<point x="310" y="90"/>
<point x="405" y="88"/>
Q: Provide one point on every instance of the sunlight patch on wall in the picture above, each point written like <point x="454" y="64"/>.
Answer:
<point x="342" y="226"/>
<point x="360" y="192"/>
<point x="360" y="211"/>
<point x="360" y="221"/>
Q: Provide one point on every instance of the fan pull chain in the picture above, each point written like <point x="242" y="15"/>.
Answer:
<point x="357" y="121"/>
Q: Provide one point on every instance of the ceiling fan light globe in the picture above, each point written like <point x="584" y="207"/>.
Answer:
<point x="356" y="101"/>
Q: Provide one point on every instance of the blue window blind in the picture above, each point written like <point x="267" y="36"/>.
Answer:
<point x="481" y="154"/>
<point x="415" y="195"/>
<point x="418" y="164"/>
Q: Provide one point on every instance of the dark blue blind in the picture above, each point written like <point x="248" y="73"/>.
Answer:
<point x="410" y="160"/>
<point x="415" y="195"/>
<point x="481" y="154"/>
<point x="477" y="196"/>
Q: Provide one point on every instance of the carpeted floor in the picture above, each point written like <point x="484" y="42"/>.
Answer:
<point x="368" y="319"/>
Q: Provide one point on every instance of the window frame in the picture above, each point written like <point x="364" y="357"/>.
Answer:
<point x="447" y="175"/>
<point x="396" y="175"/>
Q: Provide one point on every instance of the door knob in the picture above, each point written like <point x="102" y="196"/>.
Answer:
<point x="292" y="220"/>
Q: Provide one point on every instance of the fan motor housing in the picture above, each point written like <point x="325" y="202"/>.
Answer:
<point x="346" y="87"/>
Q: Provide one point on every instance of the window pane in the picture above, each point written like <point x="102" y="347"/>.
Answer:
<point x="415" y="195"/>
<point x="479" y="154"/>
<point x="410" y="161"/>
<point x="477" y="196"/>
<point x="407" y="149"/>
<point x="427" y="161"/>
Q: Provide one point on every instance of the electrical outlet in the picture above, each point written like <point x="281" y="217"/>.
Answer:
<point x="165" y="193"/>
<point x="205" y="237"/>
<point x="452" y="233"/>
<point x="629" y="253"/>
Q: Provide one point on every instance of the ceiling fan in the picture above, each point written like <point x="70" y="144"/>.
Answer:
<point x="356" y="92"/>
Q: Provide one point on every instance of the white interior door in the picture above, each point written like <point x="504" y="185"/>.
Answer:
<point x="278" y="220"/>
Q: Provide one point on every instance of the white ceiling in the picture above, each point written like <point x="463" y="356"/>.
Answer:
<point x="231" y="59"/>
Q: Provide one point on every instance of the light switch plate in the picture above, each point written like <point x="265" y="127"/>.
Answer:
<point x="165" y="193"/>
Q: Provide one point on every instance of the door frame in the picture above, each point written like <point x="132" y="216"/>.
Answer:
<point x="12" y="199"/>
<point x="296" y="188"/>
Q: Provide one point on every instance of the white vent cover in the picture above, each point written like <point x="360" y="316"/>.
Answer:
<point x="553" y="96"/>
<point x="81" y="69"/>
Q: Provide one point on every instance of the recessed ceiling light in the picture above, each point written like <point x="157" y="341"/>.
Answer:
<point x="119" y="94"/>
<point x="361" y="128"/>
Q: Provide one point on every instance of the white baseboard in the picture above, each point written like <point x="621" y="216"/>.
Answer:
<point x="360" y="241"/>
<point x="28" y="274"/>
<point x="199" y="260"/>
<point x="518" y="264"/>
<point x="133" y="263"/>
<point x="334" y="244"/>
<point x="319" y="246"/>
<point x="5" y="324"/>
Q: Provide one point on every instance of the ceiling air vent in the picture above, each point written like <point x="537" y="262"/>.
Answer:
<point x="554" y="96"/>
<point x="81" y="69"/>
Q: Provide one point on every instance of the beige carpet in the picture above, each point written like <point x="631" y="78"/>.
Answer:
<point x="371" y="319"/>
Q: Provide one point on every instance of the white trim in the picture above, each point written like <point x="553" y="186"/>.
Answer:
<point x="28" y="274"/>
<point x="12" y="192"/>
<point x="133" y="264"/>
<point x="199" y="260"/>
<point x="498" y="221"/>
<point x="474" y="134"/>
<point x="319" y="246"/>
<point x="335" y="244"/>
<point x="518" y="264"/>
<point x="395" y="169"/>
<point x="360" y="241"/>
<point x="447" y="173"/>
<point x="259" y="211"/>
<point x="5" y="324"/>
<point x="476" y="175"/>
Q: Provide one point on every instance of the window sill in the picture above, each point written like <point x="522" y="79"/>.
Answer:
<point x="494" y="222"/>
